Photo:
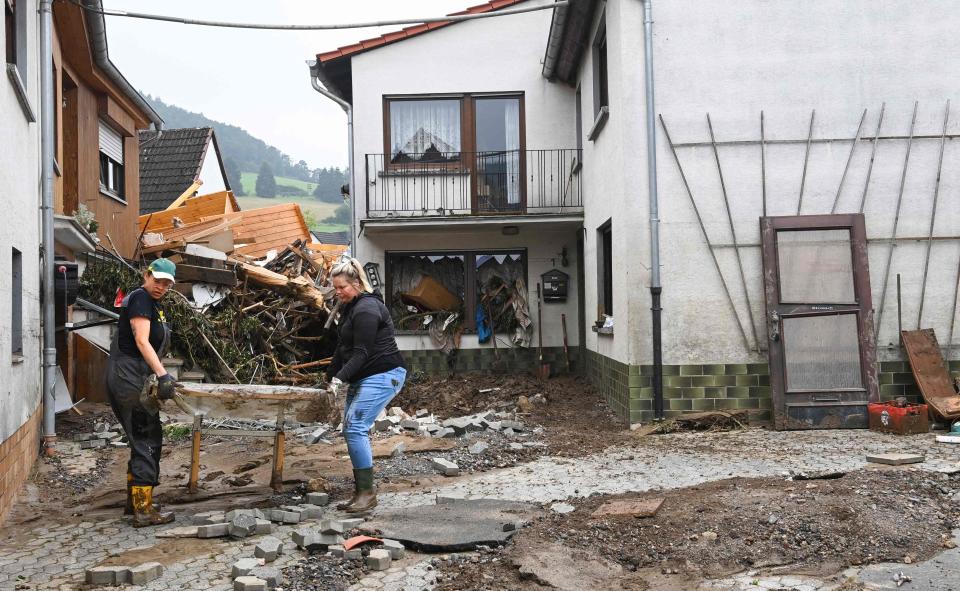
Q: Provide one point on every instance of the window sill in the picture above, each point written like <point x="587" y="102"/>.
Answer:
<point x="16" y="359"/>
<point x="602" y="330"/>
<point x="14" y="75"/>
<point x="599" y="123"/>
<point x="108" y="193"/>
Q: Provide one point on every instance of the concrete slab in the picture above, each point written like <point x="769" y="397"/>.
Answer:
<point x="634" y="507"/>
<point x="895" y="459"/>
<point x="456" y="525"/>
<point x="940" y="573"/>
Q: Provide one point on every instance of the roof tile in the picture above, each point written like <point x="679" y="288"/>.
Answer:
<point x="170" y="161"/>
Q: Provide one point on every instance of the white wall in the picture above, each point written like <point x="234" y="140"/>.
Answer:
<point x="785" y="58"/>
<point x="20" y="382"/>
<point x="488" y="55"/>
<point x="543" y="254"/>
<point x="211" y="174"/>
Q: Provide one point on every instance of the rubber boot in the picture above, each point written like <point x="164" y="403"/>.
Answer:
<point x="353" y="499"/>
<point x="144" y="513"/>
<point x="128" y="509"/>
<point x="366" y="492"/>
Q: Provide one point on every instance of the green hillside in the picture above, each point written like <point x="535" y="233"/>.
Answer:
<point x="249" y="180"/>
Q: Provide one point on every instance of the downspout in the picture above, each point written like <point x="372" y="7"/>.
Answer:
<point x="97" y="28"/>
<point x="655" y="287"/>
<point x="315" y="74"/>
<point x="47" y="139"/>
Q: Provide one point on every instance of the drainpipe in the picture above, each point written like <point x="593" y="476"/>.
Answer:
<point x="316" y="74"/>
<point x="655" y="287"/>
<point x="47" y="139"/>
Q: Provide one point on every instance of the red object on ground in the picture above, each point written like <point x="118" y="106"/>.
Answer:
<point x="890" y="417"/>
<point x="359" y="541"/>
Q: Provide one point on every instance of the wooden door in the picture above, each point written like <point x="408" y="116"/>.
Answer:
<point x="819" y="321"/>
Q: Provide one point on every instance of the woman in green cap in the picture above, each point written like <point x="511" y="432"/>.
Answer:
<point x="141" y="339"/>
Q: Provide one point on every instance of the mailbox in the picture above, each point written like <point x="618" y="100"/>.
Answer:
<point x="555" y="283"/>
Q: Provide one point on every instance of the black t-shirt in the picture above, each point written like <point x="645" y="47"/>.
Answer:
<point x="139" y="304"/>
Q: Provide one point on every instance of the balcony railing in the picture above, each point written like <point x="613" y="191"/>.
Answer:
<point x="511" y="182"/>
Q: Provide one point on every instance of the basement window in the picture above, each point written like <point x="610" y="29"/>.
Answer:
<point x="111" y="163"/>
<point x="16" y="306"/>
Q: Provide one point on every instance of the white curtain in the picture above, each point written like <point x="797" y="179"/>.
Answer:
<point x="511" y="127"/>
<point x="419" y="125"/>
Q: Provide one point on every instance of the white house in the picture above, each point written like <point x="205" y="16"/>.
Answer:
<point x="20" y="335"/>
<point x="814" y="119"/>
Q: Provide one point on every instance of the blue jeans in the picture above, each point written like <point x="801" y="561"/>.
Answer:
<point x="365" y="400"/>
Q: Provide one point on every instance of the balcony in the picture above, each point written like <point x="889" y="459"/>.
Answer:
<point x="464" y="185"/>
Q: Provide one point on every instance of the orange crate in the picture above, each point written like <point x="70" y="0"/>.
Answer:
<point x="890" y="417"/>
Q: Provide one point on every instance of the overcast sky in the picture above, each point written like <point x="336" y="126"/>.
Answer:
<point x="256" y="80"/>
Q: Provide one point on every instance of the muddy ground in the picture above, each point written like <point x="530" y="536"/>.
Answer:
<point x="812" y="527"/>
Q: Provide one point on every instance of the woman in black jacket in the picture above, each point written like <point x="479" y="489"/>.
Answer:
<point x="368" y="366"/>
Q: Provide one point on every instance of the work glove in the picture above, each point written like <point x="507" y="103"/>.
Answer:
<point x="166" y="387"/>
<point x="336" y="387"/>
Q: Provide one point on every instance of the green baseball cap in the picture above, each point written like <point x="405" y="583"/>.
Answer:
<point x="163" y="269"/>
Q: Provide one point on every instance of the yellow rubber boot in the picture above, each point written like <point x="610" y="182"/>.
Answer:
<point x="144" y="513"/>
<point x="128" y="508"/>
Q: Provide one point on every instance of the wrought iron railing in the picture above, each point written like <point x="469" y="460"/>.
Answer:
<point x="473" y="183"/>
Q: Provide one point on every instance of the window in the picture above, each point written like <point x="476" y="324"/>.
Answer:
<point x="601" y="97"/>
<point x="111" y="162"/>
<point x="16" y="307"/>
<point x="578" y="117"/>
<point x="605" y="269"/>
<point x="474" y="284"/>
<point x="10" y="28"/>
<point x="424" y="130"/>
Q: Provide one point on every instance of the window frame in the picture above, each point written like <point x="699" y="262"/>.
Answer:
<point x="17" y="71"/>
<point x="108" y="165"/>
<point x="16" y="307"/>
<point x="469" y="279"/>
<point x="468" y="140"/>
<point x="605" y="269"/>
<point x="601" y="78"/>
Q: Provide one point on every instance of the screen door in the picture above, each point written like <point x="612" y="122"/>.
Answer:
<point x="819" y="321"/>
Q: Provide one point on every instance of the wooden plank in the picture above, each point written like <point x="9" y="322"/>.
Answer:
<point x="206" y="275"/>
<point x="193" y="188"/>
<point x="931" y="372"/>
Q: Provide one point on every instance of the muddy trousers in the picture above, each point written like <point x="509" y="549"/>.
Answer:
<point x="125" y="379"/>
<point x="365" y="400"/>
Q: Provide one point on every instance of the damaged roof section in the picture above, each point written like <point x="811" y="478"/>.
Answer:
<point x="170" y="162"/>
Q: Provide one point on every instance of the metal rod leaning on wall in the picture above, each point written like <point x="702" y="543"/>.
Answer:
<point x="806" y="160"/>
<point x="933" y="214"/>
<point x="763" y="164"/>
<point x="896" y="222"/>
<point x="733" y="233"/>
<point x="846" y="167"/>
<point x="703" y="230"/>
<point x="953" y="308"/>
<point x="873" y="155"/>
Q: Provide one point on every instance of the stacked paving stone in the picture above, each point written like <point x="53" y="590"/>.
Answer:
<point x="423" y="423"/>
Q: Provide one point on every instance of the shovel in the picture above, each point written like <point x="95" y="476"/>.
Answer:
<point x="543" y="369"/>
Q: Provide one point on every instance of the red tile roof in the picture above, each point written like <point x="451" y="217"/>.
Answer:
<point x="407" y="32"/>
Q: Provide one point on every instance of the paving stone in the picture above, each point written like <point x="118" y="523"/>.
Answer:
<point x="479" y="447"/>
<point x="309" y="511"/>
<point x="146" y="572"/>
<point x="106" y="575"/>
<point x="318" y="498"/>
<point x="331" y="526"/>
<point x="243" y="567"/>
<point x="895" y="459"/>
<point x="271" y="575"/>
<point x="445" y="467"/>
<point x="395" y="548"/>
<point x="264" y="527"/>
<point x="208" y="517"/>
<point x="216" y="530"/>
<point x="242" y="526"/>
<point x="249" y="583"/>
<point x="337" y="550"/>
<point x="351" y="522"/>
<point x="255" y="513"/>
<point x="302" y="537"/>
<point x="268" y="548"/>
<point x="398" y="450"/>
<point x="378" y="559"/>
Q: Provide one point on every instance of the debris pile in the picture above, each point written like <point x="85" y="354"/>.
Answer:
<point x="252" y="302"/>
<point x="424" y="423"/>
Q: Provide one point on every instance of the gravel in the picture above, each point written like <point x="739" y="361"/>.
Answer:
<point x="322" y="573"/>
